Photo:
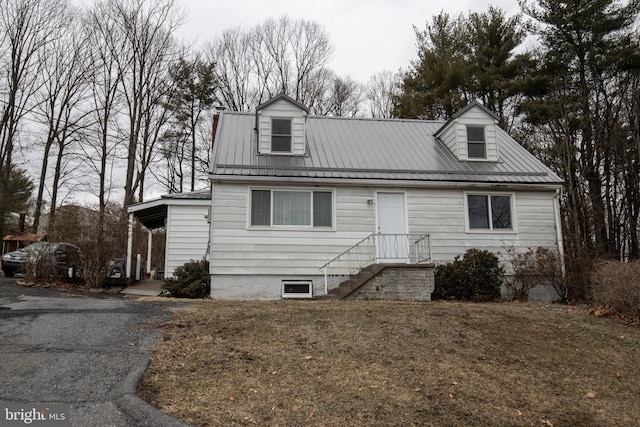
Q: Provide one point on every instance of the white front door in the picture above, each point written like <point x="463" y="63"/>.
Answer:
<point x="392" y="241"/>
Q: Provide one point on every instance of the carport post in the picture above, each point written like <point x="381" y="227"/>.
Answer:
<point x="149" y="242"/>
<point x="129" y="245"/>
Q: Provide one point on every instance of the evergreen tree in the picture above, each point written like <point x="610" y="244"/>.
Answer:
<point x="579" y="98"/>
<point x="462" y="59"/>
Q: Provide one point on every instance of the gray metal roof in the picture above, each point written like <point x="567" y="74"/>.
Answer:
<point x="370" y="149"/>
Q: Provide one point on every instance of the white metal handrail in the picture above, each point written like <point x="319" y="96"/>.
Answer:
<point x="379" y="248"/>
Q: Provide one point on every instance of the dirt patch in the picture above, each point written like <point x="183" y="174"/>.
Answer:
<point x="350" y="363"/>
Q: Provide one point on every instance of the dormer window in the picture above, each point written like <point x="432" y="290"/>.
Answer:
<point x="476" y="143"/>
<point x="280" y="135"/>
<point x="280" y="127"/>
<point x="472" y="134"/>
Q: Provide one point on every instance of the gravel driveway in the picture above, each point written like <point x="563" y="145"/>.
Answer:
<point x="82" y="352"/>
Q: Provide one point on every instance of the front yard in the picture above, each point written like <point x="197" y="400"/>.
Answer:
<point x="383" y="363"/>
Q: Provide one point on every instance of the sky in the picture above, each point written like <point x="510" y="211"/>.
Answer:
<point x="368" y="36"/>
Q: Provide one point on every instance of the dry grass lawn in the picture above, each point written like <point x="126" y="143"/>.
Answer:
<point x="317" y="363"/>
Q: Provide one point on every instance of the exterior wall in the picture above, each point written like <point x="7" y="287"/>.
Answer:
<point x="266" y="287"/>
<point x="441" y="214"/>
<point x="187" y="235"/>
<point x="282" y="109"/>
<point x="250" y="263"/>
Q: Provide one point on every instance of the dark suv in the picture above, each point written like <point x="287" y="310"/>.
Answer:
<point x="60" y="260"/>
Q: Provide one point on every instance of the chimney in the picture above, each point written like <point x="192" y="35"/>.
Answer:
<point x="216" y="118"/>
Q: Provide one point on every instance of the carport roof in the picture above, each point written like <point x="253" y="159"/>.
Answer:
<point x="153" y="214"/>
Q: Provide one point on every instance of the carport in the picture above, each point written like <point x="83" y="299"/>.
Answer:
<point x="185" y="217"/>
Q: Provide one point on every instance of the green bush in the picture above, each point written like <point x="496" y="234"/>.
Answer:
<point x="190" y="280"/>
<point x="476" y="277"/>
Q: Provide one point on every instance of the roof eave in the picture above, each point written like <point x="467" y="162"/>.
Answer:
<point x="238" y="179"/>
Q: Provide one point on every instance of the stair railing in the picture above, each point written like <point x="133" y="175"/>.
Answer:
<point x="378" y="248"/>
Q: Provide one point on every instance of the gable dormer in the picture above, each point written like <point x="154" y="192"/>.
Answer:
<point x="280" y="124"/>
<point x="470" y="134"/>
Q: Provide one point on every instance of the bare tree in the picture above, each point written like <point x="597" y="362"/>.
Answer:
<point x="237" y="60"/>
<point x="100" y="139"/>
<point x="142" y="51"/>
<point x="66" y="75"/>
<point x="279" y="56"/>
<point x="26" y="27"/>
<point x="381" y="91"/>
<point x="341" y="98"/>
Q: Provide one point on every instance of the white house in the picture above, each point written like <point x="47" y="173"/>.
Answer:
<point x="185" y="218"/>
<point x="291" y="192"/>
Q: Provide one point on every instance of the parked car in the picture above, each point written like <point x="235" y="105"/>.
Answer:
<point x="60" y="260"/>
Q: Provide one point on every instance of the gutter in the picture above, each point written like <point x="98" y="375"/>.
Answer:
<point x="383" y="183"/>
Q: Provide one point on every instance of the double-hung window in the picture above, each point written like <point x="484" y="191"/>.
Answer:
<point x="476" y="143"/>
<point x="490" y="212"/>
<point x="294" y="208"/>
<point x="280" y="135"/>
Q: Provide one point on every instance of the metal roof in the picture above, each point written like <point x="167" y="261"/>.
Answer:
<point x="370" y="149"/>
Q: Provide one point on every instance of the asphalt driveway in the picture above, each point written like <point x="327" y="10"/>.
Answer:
<point x="79" y="352"/>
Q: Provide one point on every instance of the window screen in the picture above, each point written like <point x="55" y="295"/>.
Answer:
<point x="292" y="208"/>
<point x="478" y="212"/>
<point x="260" y="207"/>
<point x="476" y="143"/>
<point x="489" y="212"/>
<point x="281" y="135"/>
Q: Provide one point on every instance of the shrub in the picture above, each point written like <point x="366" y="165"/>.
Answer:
<point x="475" y="277"/>
<point x="190" y="280"/>
<point x="541" y="266"/>
<point x="616" y="288"/>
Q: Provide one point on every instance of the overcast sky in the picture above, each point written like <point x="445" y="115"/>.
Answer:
<point x="368" y="36"/>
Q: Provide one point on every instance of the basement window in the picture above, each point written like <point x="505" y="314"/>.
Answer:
<point x="297" y="289"/>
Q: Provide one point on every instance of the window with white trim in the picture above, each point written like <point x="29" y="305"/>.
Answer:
<point x="476" y="143"/>
<point x="297" y="289"/>
<point x="280" y="135"/>
<point x="294" y="208"/>
<point x="490" y="212"/>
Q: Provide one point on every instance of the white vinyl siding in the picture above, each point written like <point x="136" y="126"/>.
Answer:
<point x="187" y="234"/>
<point x="240" y="250"/>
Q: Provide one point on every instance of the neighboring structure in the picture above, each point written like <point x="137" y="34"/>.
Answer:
<point x="186" y="219"/>
<point x="13" y="242"/>
<point x="291" y="192"/>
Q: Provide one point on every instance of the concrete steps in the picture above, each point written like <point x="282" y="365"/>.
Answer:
<point x="354" y="282"/>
